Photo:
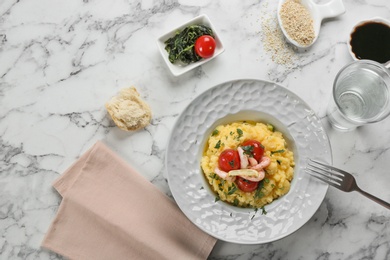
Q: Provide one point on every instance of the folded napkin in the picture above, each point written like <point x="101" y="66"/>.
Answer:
<point x="109" y="211"/>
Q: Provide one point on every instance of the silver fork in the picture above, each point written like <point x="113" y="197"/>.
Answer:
<point x="338" y="178"/>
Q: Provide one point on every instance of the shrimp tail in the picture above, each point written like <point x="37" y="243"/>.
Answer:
<point x="264" y="162"/>
<point x="224" y="175"/>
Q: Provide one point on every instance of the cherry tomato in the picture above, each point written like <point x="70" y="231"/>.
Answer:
<point x="258" y="149"/>
<point x="205" y="46"/>
<point x="229" y="160"/>
<point x="245" y="185"/>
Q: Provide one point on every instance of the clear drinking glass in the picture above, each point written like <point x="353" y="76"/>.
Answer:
<point x="361" y="95"/>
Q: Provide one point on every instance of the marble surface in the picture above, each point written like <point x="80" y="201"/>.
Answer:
<point x="60" y="61"/>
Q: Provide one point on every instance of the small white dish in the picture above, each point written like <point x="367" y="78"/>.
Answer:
<point x="318" y="12"/>
<point x="177" y="69"/>
<point x="360" y="23"/>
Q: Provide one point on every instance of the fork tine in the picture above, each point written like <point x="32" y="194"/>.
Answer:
<point x="334" y="169"/>
<point x="322" y="178"/>
<point x="326" y="180"/>
<point x="325" y="172"/>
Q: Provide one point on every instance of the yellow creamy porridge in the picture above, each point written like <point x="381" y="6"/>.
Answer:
<point x="248" y="164"/>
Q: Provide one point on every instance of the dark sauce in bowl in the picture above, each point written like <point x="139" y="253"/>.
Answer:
<point x="371" y="40"/>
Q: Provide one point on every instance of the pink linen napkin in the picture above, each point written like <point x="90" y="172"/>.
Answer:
<point x="109" y="211"/>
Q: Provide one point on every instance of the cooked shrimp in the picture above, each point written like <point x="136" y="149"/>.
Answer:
<point x="243" y="158"/>
<point x="224" y="175"/>
<point x="252" y="161"/>
<point x="264" y="162"/>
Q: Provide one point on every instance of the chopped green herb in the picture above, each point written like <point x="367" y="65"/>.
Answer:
<point x="215" y="132"/>
<point x="235" y="202"/>
<point x="279" y="162"/>
<point x="231" y="163"/>
<point x="240" y="133"/>
<point x="248" y="150"/>
<point x="263" y="211"/>
<point x="266" y="180"/>
<point x="256" y="209"/>
<point x="201" y="188"/>
<point x="258" y="193"/>
<point x="218" y="145"/>
<point x="232" y="189"/>
<point x="213" y="175"/>
<point x="231" y="133"/>
<point x="278" y="151"/>
<point x="271" y="127"/>
<point x="216" y="199"/>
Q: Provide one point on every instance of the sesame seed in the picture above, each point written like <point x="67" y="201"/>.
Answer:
<point x="274" y="43"/>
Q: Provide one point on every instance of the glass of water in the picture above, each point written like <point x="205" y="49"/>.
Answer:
<point x="361" y="95"/>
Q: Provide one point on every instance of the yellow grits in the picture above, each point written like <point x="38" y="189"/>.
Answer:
<point x="278" y="174"/>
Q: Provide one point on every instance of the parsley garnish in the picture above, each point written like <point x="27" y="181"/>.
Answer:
<point x="259" y="194"/>
<point x="218" y="145"/>
<point x="248" y="150"/>
<point x="263" y="211"/>
<point x="232" y="189"/>
<point x="231" y="163"/>
<point x="240" y="133"/>
<point x="213" y="175"/>
<point x="271" y="127"/>
<point x="256" y="209"/>
<point x="215" y="132"/>
<point x="278" y="151"/>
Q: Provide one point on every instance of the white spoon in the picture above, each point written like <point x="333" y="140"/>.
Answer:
<point x="318" y="13"/>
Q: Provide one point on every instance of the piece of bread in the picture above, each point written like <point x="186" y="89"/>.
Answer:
<point x="128" y="110"/>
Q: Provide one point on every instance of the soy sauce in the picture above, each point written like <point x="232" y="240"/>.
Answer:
<point x="371" y="41"/>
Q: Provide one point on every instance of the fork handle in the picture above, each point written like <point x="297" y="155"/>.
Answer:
<point x="378" y="200"/>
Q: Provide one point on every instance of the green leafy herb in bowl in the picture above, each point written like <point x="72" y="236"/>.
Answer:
<point x="181" y="47"/>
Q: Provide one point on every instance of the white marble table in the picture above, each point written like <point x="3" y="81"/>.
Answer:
<point x="60" y="61"/>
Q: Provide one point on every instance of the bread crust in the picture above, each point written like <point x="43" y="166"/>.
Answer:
<point x="128" y="111"/>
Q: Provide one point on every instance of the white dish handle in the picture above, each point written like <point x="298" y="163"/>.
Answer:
<point x="331" y="9"/>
